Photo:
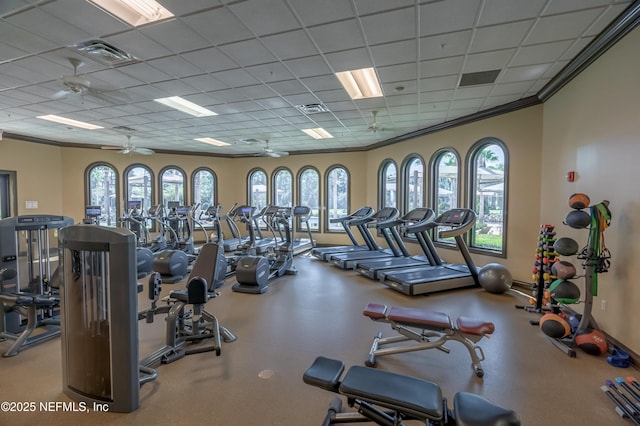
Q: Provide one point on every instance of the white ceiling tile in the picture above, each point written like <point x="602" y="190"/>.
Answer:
<point x="219" y="26"/>
<point x="145" y="72"/>
<point x="562" y="6"/>
<point x="181" y="7"/>
<point x="175" y="36"/>
<point x="338" y="36"/>
<point x="501" y="11"/>
<point x="288" y="87"/>
<point x="253" y="14"/>
<point x="390" y="26"/>
<point x="175" y="66"/>
<point x="349" y="60"/>
<point x="85" y="16"/>
<point x="236" y="78"/>
<point x="561" y="27"/>
<point x="374" y="6"/>
<point x="447" y="16"/>
<point x="248" y="52"/>
<point x="394" y="53"/>
<point x="500" y="36"/>
<point x="271" y="72"/>
<point x="289" y="45"/>
<point x="210" y="60"/>
<point x="314" y="12"/>
<point x="440" y="67"/>
<point x="445" y="45"/>
<point x="548" y="52"/>
<point x="438" y="83"/>
<point x="530" y="72"/>
<point x="204" y="82"/>
<point x="486" y="61"/>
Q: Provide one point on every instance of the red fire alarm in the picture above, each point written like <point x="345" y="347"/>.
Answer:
<point x="571" y="176"/>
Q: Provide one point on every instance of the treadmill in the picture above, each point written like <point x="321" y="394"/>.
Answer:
<point x="415" y="222"/>
<point x="324" y="253"/>
<point x="301" y="245"/>
<point x="430" y="279"/>
<point x="379" y="220"/>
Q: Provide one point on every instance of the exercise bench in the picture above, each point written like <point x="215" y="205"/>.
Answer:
<point x="430" y="329"/>
<point x="388" y="399"/>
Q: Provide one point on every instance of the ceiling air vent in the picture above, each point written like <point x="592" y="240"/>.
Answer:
<point x="312" y="108"/>
<point x="476" y="78"/>
<point x="101" y="51"/>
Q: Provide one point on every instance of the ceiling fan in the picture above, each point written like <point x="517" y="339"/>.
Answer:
<point x="77" y="85"/>
<point x="373" y="127"/>
<point x="130" y="148"/>
<point x="268" y="152"/>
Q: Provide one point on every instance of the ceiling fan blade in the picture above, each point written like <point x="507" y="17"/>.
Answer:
<point x="143" y="151"/>
<point x="60" y="94"/>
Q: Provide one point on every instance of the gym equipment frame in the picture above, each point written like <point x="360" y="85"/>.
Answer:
<point x="430" y="329"/>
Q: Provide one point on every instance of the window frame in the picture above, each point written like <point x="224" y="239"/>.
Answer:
<point x="434" y="174"/>
<point x="113" y="222"/>
<point x="250" y="175"/>
<point x="327" y="173"/>
<point x="274" y="189"/>
<point x="8" y="193"/>
<point x="382" y="183"/>
<point x="298" y="193"/>
<point x="152" y="182"/>
<point x="214" y="201"/>
<point x="470" y="161"/>
<point x="405" y="167"/>
<point x="161" y="199"/>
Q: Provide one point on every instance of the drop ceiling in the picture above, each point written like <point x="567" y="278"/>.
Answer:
<point x="253" y="61"/>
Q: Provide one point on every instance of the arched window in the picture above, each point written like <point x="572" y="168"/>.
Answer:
<point x="445" y="176"/>
<point x="487" y="162"/>
<point x="257" y="187"/>
<point x="413" y="182"/>
<point x="337" y="195"/>
<point x="138" y="186"/>
<point x="282" y="187"/>
<point x="309" y="194"/>
<point x="172" y="182"/>
<point x="204" y="187"/>
<point x="102" y="190"/>
<point x="388" y="184"/>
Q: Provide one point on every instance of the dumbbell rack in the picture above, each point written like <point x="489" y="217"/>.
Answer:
<point x="545" y="257"/>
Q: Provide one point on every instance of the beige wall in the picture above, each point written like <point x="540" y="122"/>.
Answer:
<point x="592" y="127"/>
<point x="39" y="173"/>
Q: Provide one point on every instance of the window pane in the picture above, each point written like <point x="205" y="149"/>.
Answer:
<point x="337" y="195"/>
<point x="283" y="186"/>
<point x="489" y="182"/>
<point x="172" y="187"/>
<point x="447" y="178"/>
<point x="414" y="191"/>
<point x="139" y="186"/>
<point x="258" y="189"/>
<point x="102" y="192"/>
<point x="203" y="189"/>
<point x="390" y="182"/>
<point x="309" y="187"/>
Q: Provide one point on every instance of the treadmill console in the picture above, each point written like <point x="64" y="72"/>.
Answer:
<point x="301" y="210"/>
<point x="418" y="215"/>
<point x="183" y="210"/>
<point x="454" y="217"/>
<point x="92" y="211"/>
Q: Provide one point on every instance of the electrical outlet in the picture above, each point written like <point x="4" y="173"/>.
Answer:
<point x="603" y="305"/>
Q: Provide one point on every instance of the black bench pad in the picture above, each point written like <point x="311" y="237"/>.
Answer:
<point x="409" y="395"/>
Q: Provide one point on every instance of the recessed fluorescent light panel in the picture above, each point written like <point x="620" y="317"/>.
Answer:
<point x="212" y="141"/>
<point x="134" y="12"/>
<point x="360" y="84"/>
<point x="69" y="122"/>
<point x="185" y="106"/>
<point x="318" y="133"/>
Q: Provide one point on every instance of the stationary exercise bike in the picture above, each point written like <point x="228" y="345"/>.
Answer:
<point x="253" y="273"/>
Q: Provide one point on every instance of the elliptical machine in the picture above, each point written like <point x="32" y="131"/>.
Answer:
<point x="253" y="273"/>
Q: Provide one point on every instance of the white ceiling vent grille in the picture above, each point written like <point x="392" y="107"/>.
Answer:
<point x="103" y="52"/>
<point x="312" y="108"/>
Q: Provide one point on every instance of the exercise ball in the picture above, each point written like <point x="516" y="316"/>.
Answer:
<point x="563" y="270"/>
<point x="591" y="341"/>
<point x="495" y="278"/>
<point x="563" y="291"/>
<point x="578" y="219"/>
<point x="566" y="246"/>
<point x="553" y="325"/>
<point x="579" y="201"/>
